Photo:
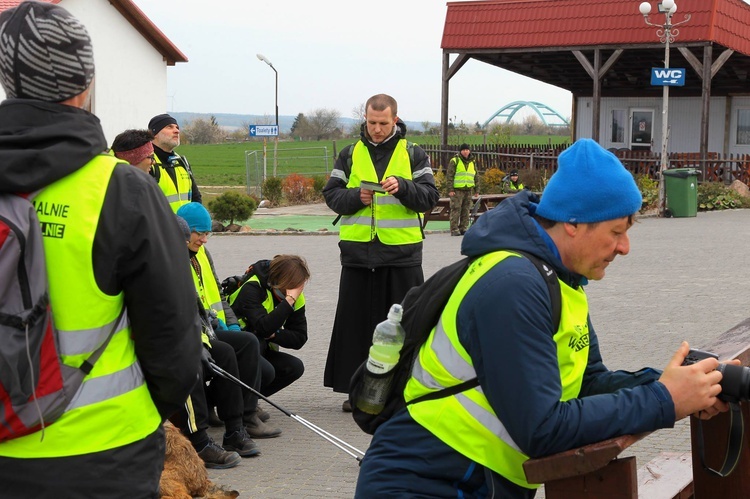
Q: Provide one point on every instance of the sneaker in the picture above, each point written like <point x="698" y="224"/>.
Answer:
<point x="213" y="419"/>
<point x="216" y="458"/>
<point x="240" y="443"/>
<point x="263" y="415"/>
<point x="258" y="429"/>
<point x="346" y="406"/>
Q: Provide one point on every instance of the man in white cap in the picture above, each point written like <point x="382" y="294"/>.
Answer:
<point x="542" y="386"/>
<point x="115" y="253"/>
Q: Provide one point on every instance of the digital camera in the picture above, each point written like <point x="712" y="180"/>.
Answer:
<point x="735" y="381"/>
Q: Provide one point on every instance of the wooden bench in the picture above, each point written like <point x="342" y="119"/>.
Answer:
<point x="482" y="203"/>
<point x="597" y="471"/>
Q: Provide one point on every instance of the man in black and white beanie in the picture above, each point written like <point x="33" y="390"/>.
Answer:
<point x="45" y="53"/>
<point x="171" y="170"/>
<point x="112" y="247"/>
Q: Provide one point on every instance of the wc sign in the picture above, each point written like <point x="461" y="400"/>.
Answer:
<point x="673" y="77"/>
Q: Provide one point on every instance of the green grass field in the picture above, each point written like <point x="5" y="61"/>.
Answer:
<point x="225" y="164"/>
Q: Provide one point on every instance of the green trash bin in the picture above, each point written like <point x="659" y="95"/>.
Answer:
<point x="681" y="185"/>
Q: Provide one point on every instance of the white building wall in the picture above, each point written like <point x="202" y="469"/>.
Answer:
<point x="684" y="121"/>
<point x="131" y="75"/>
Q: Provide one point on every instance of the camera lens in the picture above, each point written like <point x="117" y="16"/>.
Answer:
<point x="735" y="383"/>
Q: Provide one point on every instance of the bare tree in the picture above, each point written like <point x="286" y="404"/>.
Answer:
<point x="321" y="124"/>
<point x="359" y="112"/>
<point x="204" y="131"/>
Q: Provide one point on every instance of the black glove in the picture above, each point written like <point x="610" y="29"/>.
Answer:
<point x="206" y="361"/>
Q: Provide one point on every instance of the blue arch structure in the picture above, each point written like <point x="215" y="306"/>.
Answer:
<point x="542" y="110"/>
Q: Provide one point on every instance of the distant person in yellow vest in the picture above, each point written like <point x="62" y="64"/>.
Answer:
<point x="115" y="255"/>
<point x="512" y="184"/>
<point x="135" y="147"/>
<point x="381" y="233"/>
<point x="171" y="170"/>
<point x="542" y="385"/>
<point x="460" y="178"/>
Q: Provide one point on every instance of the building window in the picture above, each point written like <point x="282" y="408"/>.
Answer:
<point x="618" y="126"/>
<point x="743" y="127"/>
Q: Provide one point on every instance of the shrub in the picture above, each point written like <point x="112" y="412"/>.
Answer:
<point x="298" y="189"/>
<point x="535" y="180"/>
<point x="319" y="182"/>
<point x="272" y="190"/>
<point x="649" y="190"/>
<point x="440" y="183"/>
<point x="716" y="196"/>
<point x="232" y="206"/>
<point x="492" y="181"/>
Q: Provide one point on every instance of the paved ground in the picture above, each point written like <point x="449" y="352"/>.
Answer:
<point x="685" y="278"/>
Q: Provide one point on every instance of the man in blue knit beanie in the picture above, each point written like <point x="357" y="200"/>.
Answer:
<point x="520" y="330"/>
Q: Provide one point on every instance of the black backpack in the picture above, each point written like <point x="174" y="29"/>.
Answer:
<point x="422" y="308"/>
<point x="233" y="283"/>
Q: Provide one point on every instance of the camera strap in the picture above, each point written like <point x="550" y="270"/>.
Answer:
<point x="734" y="442"/>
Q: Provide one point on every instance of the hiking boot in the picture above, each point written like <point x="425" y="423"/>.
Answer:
<point x="240" y="443"/>
<point x="263" y="415"/>
<point x="213" y="419"/>
<point x="258" y="429"/>
<point x="346" y="406"/>
<point x="216" y="458"/>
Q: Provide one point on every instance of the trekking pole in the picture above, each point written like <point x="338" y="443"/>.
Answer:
<point x="341" y="444"/>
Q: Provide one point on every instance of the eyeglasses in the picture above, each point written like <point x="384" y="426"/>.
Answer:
<point x="206" y="234"/>
<point x="152" y="158"/>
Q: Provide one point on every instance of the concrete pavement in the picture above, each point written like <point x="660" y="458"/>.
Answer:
<point x="685" y="278"/>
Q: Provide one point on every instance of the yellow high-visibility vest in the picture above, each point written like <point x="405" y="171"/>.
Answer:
<point x="113" y="406"/>
<point x="466" y="421"/>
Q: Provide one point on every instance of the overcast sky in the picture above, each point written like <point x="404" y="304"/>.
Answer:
<point x="330" y="54"/>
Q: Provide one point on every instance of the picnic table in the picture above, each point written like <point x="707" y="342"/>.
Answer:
<point x="482" y="203"/>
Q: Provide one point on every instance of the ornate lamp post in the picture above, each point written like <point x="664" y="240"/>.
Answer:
<point x="276" y="139"/>
<point x="666" y="33"/>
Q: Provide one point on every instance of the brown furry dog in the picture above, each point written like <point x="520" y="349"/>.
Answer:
<point x="184" y="475"/>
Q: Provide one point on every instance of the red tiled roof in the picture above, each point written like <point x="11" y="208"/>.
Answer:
<point x="9" y="4"/>
<point x="503" y="24"/>
<point x="138" y="20"/>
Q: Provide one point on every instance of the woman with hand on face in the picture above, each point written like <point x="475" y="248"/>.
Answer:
<point x="271" y="304"/>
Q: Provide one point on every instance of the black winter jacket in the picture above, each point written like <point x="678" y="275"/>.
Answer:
<point x="135" y="242"/>
<point x="418" y="194"/>
<point x="288" y="326"/>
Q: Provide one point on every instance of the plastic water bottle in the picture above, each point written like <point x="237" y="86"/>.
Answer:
<point x="387" y="341"/>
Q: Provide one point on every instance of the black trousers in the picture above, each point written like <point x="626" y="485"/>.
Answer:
<point x="192" y="418"/>
<point x="247" y="351"/>
<point x="279" y="370"/>
<point x="125" y="472"/>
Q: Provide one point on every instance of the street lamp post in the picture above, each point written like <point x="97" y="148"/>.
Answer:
<point x="666" y="33"/>
<point x="276" y="139"/>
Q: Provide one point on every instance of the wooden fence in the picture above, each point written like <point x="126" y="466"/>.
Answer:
<point x="715" y="168"/>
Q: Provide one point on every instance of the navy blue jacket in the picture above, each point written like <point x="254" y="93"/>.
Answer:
<point x="516" y="364"/>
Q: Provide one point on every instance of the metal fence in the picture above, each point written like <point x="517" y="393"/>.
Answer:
<point x="307" y="161"/>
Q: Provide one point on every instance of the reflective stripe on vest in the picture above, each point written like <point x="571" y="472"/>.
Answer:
<point x="179" y="194"/>
<point x="267" y="303"/>
<point x="206" y="287"/>
<point x="386" y="217"/>
<point x="464" y="178"/>
<point x="113" y="406"/>
<point x="466" y="421"/>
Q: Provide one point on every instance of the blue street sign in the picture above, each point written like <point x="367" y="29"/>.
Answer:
<point x="671" y="77"/>
<point x="264" y="130"/>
